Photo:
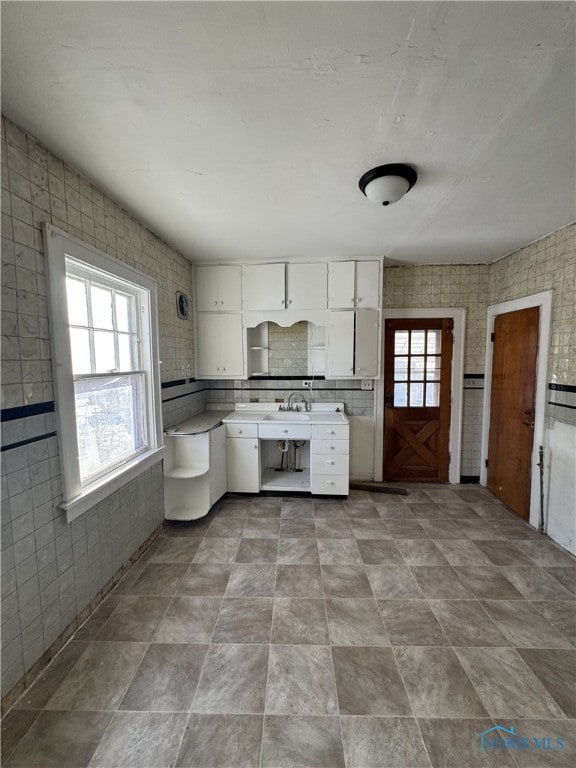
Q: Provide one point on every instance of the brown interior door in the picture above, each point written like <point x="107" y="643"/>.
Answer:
<point x="417" y="371"/>
<point x="511" y="440"/>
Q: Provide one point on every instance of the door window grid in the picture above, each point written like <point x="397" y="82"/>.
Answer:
<point x="417" y="368"/>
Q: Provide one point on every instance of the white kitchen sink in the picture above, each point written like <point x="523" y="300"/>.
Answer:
<point x="287" y="416"/>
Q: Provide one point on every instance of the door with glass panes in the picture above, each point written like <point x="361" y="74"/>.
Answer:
<point x="417" y="371"/>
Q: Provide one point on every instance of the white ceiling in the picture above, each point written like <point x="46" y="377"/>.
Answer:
<point x="238" y="131"/>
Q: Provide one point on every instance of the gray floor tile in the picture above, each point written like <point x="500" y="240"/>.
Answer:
<point x="134" y="619"/>
<point x="556" y="670"/>
<point x="333" y="529"/>
<point x="560" y="751"/>
<point x="193" y="529"/>
<point x="329" y="509"/>
<point x="391" y="582"/>
<point x="265" y="507"/>
<point x="299" y="509"/>
<point x="140" y="740"/>
<point x="15" y="723"/>
<point x="369" y="529"/>
<point x="503" y="553"/>
<point x="60" y="740"/>
<point x="383" y="742"/>
<point x="535" y="584"/>
<point x="298" y="552"/>
<point x="189" y="620"/>
<point x="233" y="680"/>
<point x="222" y="528"/>
<point x="405" y="529"/>
<point x="175" y="550"/>
<point x="420" y="552"/>
<point x="361" y="512"/>
<point x="90" y="628"/>
<point x="249" y="580"/>
<point x="462" y="552"/>
<point x="506" y="685"/>
<point x="244" y="620"/>
<point x="545" y="553"/>
<point x="441" y="529"/>
<point x="439" y="582"/>
<point x="257" y="551"/>
<point x="299" y="621"/>
<point x="301" y="742"/>
<point x="561" y="615"/>
<point x="298" y="581"/>
<point x="51" y="678"/>
<point x="411" y="622"/>
<point x="229" y="508"/>
<point x="465" y="622"/>
<point x="422" y="510"/>
<point x="300" y="681"/>
<point x="436" y="683"/>
<point x="221" y="741"/>
<point x="261" y="528"/>
<point x="354" y="621"/>
<point x="159" y="579"/>
<point x="455" y="743"/>
<point x="368" y="682"/>
<point x="339" y="551"/>
<point x="379" y="552"/>
<point x="100" y="677"/>
<point x="523" y="625"/>
<point x="213" y="551"/>
<point x="205" y="579"/>
<point x="166" y="678"/>
<point x="565" y="576"/>
<point x="297" y="528"/>
<point x="345" y="581"/>
<point x="486" y="581"/>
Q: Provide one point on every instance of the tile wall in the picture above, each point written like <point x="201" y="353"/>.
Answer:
<point x="51" y="570"/>
<point x="288" y="349"/>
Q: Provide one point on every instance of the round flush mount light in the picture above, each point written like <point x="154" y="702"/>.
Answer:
<point x="387" y="184"/>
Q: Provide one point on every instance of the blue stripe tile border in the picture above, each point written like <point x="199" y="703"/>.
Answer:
<point x="473" y="375"/>
<point x="24" y="411"/>
<point x="176" y="383"/>
<point x="562" y="387"/>
<point x="186" y="394"/>
<point x="27" y="442"/>
<point x="562" y="405"/>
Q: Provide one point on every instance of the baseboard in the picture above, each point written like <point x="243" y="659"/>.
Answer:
<point x="29" y="677"/>
<point x="465" y="479"/>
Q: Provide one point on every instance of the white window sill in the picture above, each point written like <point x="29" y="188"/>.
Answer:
<point x="99" y="490"/>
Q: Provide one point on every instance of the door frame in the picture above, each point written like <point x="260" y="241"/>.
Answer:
<point x="458" y="315"/>
<point x="543" y="300"/>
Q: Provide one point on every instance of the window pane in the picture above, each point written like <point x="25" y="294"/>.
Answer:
<point x="416" y="395"/>
<point x="434" y="342"/>
<point x="126" y="356"/>
<point x="77" y="306"/>
<point x="400" y="395"/>
<point x="101" y="307"/>
<point x="80" y="350"/>
<point x="417" y="368"/>
<point x="401" y="342"/>
<point x="104" y="352"/>
<point x="417" y="342"/>
<point x="124" y="312"/>
<point x="433" y="368"/>
<point x="400" y="368"/>
<point x="110" y="417"/>
<point x="432" y="395"/>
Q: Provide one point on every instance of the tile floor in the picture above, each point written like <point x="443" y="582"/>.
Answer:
<point x="379" y="632"/>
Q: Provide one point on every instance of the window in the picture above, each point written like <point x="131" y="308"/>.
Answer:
<point x="105" y="346"/>
<point x="417" y="357"/>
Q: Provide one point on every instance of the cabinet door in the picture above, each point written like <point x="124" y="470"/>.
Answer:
<point x="218" y="474"/>
<point x="230" y="288"/>
<point x="307" y="286"/>
<point x="231" y="345"/>
<point x="243" y="459"/>
<point x="207" y="345"/>
<point x="341" y="285"/>
<point x="366" y="346"/>
<point x="367" y="284"/>
<point x="263" y="287"/>
<point x="341" y="345"/>
<point x="206" y="289"/>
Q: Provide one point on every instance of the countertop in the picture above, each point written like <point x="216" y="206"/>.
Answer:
<point x="269" y="413"/>
<point x="201" y="422"/>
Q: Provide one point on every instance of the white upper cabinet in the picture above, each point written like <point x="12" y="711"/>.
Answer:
<point x="219" y="289"/>
<point x="354" y="284"/>
<point x="219" y="346"/>
<point x="366" y="344"/>
<point x="307" y="286"/>
<point x="341" y="345"/>
<point x="263" y="287"/>
<point x="353" y="344"/>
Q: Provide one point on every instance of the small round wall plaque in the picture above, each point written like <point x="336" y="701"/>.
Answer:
<point x="182" y="305"/>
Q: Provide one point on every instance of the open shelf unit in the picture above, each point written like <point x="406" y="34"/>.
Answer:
<point x="272" y="480"/>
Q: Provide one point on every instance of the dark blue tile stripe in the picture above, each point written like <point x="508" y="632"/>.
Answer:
<point x="562" y="405"/>
<point x="23" y="411"/>
<point x="562" y="387"/>
<point x="27" y="442"/>
<point x="176" y="383"/>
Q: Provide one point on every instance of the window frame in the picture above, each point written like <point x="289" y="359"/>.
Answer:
<point x="78" y="497"/>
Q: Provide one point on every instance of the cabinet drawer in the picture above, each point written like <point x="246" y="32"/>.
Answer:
<point x="284" y="431"/>
<point x="329" y="484"/>
<point x="330" y="431"/>
<point x="329" y="446"/>
<point x="336" y="464"/>
<point x="241" y="430"/>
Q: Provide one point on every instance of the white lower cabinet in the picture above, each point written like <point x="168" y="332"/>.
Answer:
<point x="243" y="461"/>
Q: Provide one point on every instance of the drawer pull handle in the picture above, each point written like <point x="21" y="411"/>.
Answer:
<point x="332" y="448"/>
<point x="239" y="431"/>
<point x="285" y="431"/>
<point x="329" y="462"/>
<point x="330" y="432"/>
<point x="329" y="482"/>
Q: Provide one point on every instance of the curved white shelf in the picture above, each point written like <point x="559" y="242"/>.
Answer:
<point x="184" y="473"/>
<point x="186" y="513"/>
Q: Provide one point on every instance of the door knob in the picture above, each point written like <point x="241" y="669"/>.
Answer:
<point x="527" y="422"/>
<point x="389" y="401"/>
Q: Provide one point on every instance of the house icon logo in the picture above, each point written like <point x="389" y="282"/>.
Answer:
<point x="499" y="732"/>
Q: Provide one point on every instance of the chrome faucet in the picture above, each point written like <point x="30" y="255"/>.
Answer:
<point x="292" y="407"/>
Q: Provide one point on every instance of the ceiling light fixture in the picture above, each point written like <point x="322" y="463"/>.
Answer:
<point x="387" y="184"/>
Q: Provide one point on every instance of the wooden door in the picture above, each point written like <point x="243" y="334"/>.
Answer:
<point x="417" y="372"/>
<point x="511" y="439"/>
